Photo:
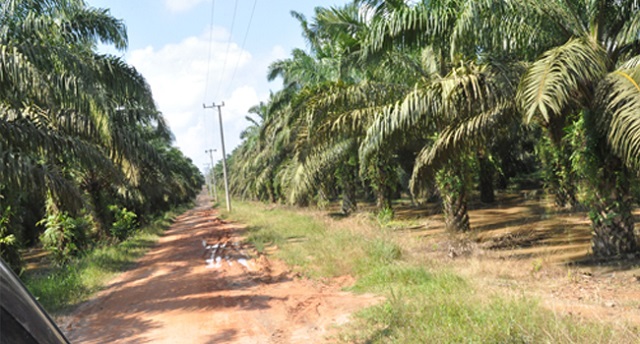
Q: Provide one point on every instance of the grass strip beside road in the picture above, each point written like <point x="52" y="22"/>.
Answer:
<point x="424" y="302"/>
<point x="60" y="288"/>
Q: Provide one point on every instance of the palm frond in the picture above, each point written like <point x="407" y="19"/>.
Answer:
<point x="560" y="78"/>
<point x="19" y="75"/>
<point x="465" y="135"/>
<point x="417" y="109"/>
<point x="325" y="159"/>
<point x="93" y="24"/>
<point x="619" y="96"/>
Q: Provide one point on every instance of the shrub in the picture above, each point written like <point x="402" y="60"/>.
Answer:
<point x="125" y="222"/>
<point x="64" y="236"/>
<point x="385" y="216"/>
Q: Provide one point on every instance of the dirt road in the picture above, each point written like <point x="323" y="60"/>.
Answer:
<point x="181" y="292"/>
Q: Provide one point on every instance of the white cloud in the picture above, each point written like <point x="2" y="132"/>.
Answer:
<point x="190" y="143"/>
<point x="181" y="5"/>
<point x="236" y="108"/>
<point x="177" y="75"/>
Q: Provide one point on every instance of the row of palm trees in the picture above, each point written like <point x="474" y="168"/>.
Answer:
<point x="79" y="131"/>
<point x="442" y="94"/>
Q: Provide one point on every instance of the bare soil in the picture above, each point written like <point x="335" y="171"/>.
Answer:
<point x="183" y="292"/>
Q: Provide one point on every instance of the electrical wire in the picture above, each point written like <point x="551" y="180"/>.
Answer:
<point x="244" y="41"/>
<point x="226" y="55"/>
<point x="206" y="82"/>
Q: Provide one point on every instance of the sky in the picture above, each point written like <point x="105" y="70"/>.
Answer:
<point x="190" y="60"/>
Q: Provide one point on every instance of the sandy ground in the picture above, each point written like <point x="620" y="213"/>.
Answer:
<point x="181" y="292"/>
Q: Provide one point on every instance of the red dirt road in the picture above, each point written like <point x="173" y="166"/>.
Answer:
<point x="178" y="294"/>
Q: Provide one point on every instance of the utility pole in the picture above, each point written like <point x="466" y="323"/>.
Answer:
<point x="207" y="179"/>
<point x="213" y="175"/>
<point x="224" y="154"/>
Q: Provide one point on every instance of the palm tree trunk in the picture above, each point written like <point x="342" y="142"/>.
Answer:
<point x="563" y="183"/>
<point x="271" y="192"/>
<point x="349" y="182"/>
<point x="349" y="203"/>
<point x="383" y="198"/>
<point x="611" y="218"/>
<point x="383" y="189"/>
<point x="613" y="233"/>
<point x="93" y="185"/>
<point x="561" y="179"/>
<point x="453" y="190"/>
<point x="349" y="200"/>
<point x="456" y="215"/>
<point x="486" y="172"/>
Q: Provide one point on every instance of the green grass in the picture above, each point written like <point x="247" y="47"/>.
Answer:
<point x="309" y="246"/>
<point x="445" y="308"/>
<point x="60" y="288"/>
<point x="424" y="302"/>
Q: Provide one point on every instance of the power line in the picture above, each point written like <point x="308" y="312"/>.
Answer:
<point x="244" y="41"/>
<point x="206" y="81"/>
<point x="226" y="55"/>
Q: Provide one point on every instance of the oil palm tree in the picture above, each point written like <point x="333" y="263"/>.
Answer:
<point x="291" y="116"/>
<point x="451" y="86"/>
<point x="592" y="79"/>
<point x="67" y="111"/>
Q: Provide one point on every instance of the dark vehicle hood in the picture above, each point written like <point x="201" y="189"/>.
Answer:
<point x="22" y="319"/>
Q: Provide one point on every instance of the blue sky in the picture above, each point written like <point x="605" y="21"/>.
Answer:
<point x="169" y="44"/>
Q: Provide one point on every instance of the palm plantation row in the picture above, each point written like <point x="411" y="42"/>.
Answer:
<point x="435" y="97"/>
<point x="84" y="153"/>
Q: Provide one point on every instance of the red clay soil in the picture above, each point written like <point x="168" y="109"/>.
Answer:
<point x="178" y="293"/>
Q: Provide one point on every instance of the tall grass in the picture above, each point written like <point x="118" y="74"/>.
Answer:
<point x="57" y="289"/>
<point x="424" y="304"/>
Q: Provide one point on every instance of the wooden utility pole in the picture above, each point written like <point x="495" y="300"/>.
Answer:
<point x="224" y="154"/>
<point x="213" y="175"/>
<point x="207" y="178"/>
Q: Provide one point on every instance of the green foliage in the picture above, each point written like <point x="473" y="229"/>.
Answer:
<point x="451" y="185"/>
<point x="385" y="216"/>
<point x="547" y="155"/>
<point x="64" y="236"/>
<point x="557" y="151"/>
<point x="582" y="160"/>
<point x="124" y="223"/>
<point x="593" y="74"/>
<point x="62" y="287"/>
<point x="79" y="128"/>
<point x="435" y="81"/>
<point x="9" y="244"/>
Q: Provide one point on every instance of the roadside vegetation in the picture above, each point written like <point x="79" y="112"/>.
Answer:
<point x="86" y="158"/>
<point x="61" y="287"/>
<point x="423" y="298"/>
